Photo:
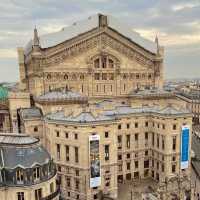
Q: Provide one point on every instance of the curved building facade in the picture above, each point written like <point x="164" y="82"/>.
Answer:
<point x="27" y="171"/>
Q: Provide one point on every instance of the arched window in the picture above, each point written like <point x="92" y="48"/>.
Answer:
<point x="97" y="63"/>
<point x="124" y="76"/>
<point x="110" y="63"/>
<point x="65" y="76"/>
<point x="104" y="61"/>
<point x="48" y="76"/>
<point x="73" y="77"/>
<point x="82" y="77"/>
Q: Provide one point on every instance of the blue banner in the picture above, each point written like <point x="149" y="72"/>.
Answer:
<point x="185" y="138"/>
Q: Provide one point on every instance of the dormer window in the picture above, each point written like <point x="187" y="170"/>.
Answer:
<point x="20" y="176"/>
<point x="36" y="173"/>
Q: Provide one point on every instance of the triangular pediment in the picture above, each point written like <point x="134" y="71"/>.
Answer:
<point x="95" y="24"/>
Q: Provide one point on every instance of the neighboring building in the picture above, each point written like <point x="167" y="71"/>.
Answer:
<point x="27" y="171"/>
<point x="93" y="94"/>
<point x="190" y="94"/>
<point x="192" y="101"/>
<point x="5" y="124"/>
<point x="135" y="143"/>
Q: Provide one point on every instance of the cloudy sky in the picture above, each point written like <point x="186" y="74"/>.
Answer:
<point x="176" y="22"/>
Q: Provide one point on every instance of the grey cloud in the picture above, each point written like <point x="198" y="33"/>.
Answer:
<point x="18" y="19"/>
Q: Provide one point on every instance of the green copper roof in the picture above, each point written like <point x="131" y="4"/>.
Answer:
<point x="3" y="93"/>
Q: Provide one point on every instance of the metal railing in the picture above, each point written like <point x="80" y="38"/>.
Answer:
<point x="52" y="195"/>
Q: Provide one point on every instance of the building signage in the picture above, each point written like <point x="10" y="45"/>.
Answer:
<point x="185" y="138"/>
<point x="95" y="171"/>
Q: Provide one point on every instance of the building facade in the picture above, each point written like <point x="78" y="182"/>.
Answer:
<point x="26" y="168"/>
<point x="5" y="123"/>
<point x="97" y="57"/>
<point x="92" y="93"/>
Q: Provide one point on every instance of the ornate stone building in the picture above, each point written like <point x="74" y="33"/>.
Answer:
<point x="98" y="57"/>
<point x="93" y="94"/>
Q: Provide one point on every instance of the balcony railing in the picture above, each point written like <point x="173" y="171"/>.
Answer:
<point x="52" y="195"/>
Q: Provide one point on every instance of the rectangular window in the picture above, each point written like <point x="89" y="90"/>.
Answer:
<point x="77" y="172"/>
<point x="57" y="134"/>
<point x="76" y="154"/>
<point x="136" y="124"/>
<point x="119" y="126"/>
<point x="153" y="139"/>
<point x="75" y="136"/>
<point x="146" y="136"/>
<point x="66" y="135"/>
<point x="163" y="167"/>
<point x="163" y="142"/>
<point x="158" y="141"/>
<point x="36" y="173"/>
<point x="157" y="165"/>
<point x="106" y="134"/>
<point x="77" y="184"/>
<point x="97" y="76"/>
<point x="128" y="166"/>
<point x="67" y="152"/>
<point x="136" y="137"/>
<point x="106" y="150"/>
<point x="104" y="76"/>
<point x="173" y="168"/>
<point x="174" y="126"/>
<point x="146" y="164"/>
<point x="128" y="126"/>
<point x="58" y="151"/>
<point x="174" y="143"/>
<point x="146" y="124"/>
<point x="68" y="181"/>
<point x="52" y="187"/>
<point x="128" y="141"/>
<point x="38" y="194"/>
<point x="163" y="126"/>
<point x="119" y="138"/>
<point x="136" y="164"/>
<point x="20" y="196"/>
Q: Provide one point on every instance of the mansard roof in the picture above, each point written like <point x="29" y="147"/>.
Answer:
<point x="92" y="22"/>
<point x="24" y="157"/>
<point x="19" y="150"/>
<point x="114" y="114"/>
<point x="84" y="117"/>
<point x="55" y="96"/>
<point x="30" y="113"/>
